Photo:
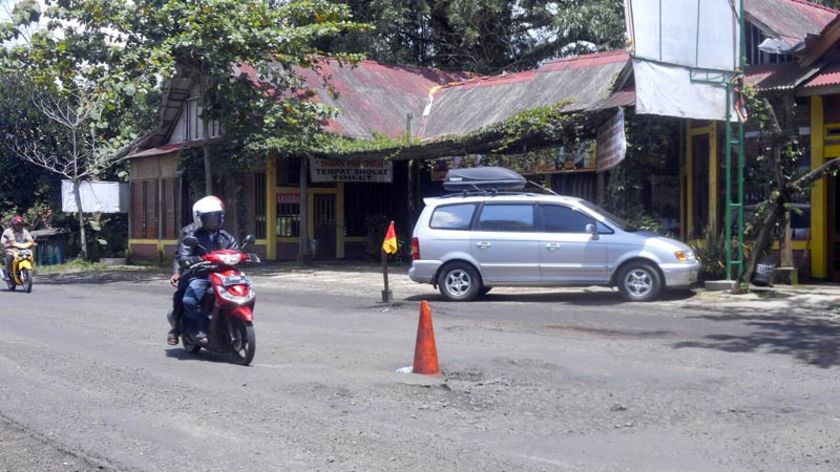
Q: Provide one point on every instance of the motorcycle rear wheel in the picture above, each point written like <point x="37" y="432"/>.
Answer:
<point x="243" y="341"/>
<point x="26" y="280"/>
<point x="189" y="346"/>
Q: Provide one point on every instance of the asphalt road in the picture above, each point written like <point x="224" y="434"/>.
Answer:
<point x="533" y="381"/>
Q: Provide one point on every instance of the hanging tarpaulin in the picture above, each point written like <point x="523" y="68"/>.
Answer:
<point x="611" y="142"/>
<point x="669" y="90"/>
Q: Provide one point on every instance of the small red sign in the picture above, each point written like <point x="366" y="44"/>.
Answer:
<point x="287" y="198"/>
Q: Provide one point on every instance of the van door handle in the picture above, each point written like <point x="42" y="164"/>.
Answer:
<point x="483" y="244"/>
<point x="552" y="246"/>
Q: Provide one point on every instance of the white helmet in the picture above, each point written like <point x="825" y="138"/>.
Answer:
<point x="207" y="206"/>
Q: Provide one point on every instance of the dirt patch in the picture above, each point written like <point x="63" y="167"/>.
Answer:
<point x="608" y="333"/>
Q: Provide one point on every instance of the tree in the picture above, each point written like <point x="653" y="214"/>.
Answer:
<point x="67" y="143"/>
<point x="206" y="40"/>
<point x="69" y="98"/>
<point x="484" y="36"/>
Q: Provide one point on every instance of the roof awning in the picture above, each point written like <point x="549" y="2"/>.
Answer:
<point x="157" y="151"/>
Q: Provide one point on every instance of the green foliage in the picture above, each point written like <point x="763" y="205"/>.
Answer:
<point x="829" y="3"/>
<point x="652" y="145"/>
<point x="712" y="254"/>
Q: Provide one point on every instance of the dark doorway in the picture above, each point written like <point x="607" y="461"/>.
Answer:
<point x="700" y="188"/>
<point x="324" y="216"/>
<point x="833" y="228"/>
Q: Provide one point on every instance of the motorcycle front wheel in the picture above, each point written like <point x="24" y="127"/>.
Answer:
<point x="243" y="341"/>
<point x="26" y="280"/>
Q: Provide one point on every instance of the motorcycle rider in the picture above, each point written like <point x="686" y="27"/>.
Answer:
<point x="180" y="286"/>
<point x="16" y="234"/>
<point x="208" y="216"/>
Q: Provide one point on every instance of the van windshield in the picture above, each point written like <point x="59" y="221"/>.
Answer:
<point x="611" y="219"/>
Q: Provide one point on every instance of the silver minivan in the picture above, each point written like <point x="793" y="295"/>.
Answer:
<point x="466" y="244"/>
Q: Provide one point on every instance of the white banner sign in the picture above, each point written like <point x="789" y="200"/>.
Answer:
<point x="97" y="197"/>
<point x="612" y="142"/>
<point x="700" y="34"/>
<point x="358" y="171"/>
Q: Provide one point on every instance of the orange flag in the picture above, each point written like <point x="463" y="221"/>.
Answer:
<point x="389" y="245"/>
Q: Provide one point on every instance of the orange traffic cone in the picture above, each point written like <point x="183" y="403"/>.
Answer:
<point x="425" y="351"/>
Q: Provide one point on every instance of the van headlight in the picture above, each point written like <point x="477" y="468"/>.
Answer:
<point x="685" y="256"/>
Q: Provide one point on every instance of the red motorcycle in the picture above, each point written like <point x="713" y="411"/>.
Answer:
<point x="229" y="304"/>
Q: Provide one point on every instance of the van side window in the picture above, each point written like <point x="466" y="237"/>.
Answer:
<point x="561" y="219"/>
<point x="456" y="217"/>
<point x="518" y="218"/>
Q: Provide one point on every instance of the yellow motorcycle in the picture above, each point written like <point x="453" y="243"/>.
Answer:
<point x="22" y="266"/>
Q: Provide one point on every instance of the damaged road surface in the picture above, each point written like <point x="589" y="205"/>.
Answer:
<point x="532" y="381"/>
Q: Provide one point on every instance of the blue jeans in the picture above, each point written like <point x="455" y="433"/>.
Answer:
<point x="192" y="303"/>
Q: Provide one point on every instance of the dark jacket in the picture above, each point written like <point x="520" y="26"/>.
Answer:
<point x="214" y="241"/>
<point x="176" y="265"/>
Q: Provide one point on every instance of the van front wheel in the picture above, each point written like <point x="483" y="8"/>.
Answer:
<point x="459" y="282"/>
<point x="639" y="282"/>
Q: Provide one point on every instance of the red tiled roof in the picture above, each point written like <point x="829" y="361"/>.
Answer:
<point x="783" y="76"/>
<point x="827" y="77"/>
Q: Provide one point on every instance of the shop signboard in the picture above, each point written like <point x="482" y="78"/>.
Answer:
<point x="351" y="171"/>
<point x="612" y="142"/>
<point x="578" y="156"/>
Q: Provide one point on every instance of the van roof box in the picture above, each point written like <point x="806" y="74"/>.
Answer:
<point x="483" y="179"/>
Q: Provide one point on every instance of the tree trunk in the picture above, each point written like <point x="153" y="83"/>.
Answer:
<point x="77" y="195"/>
<point x="769" y="222"/>
<point x="205" y="135"/>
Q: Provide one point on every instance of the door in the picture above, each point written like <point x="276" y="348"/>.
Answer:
<point x="568" y="253"/>
<point x="506" y="244"/>
<point x="324" y="216"/>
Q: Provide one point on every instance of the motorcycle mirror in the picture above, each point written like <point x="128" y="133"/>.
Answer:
<point x="249" y="240"/>
<point x="190" y="241"/>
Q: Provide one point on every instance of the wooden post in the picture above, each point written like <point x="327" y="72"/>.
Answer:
<point x="303" y="253"/>
<point x="387" y="295"/>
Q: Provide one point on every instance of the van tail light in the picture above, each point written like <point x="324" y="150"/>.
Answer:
<point x="415" y="249"/>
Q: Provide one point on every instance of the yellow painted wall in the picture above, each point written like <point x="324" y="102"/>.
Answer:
<point x="819" y="196"/>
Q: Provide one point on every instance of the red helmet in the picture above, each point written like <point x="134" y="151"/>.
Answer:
<point x="17" y="220"/>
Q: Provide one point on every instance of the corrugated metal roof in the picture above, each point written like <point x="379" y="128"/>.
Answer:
<point x="792" y="20"/>
<point x="375" y="97"/>
<point x="585" y="82"/>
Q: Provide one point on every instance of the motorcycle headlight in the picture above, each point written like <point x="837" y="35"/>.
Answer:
<point x="230" y="259"/>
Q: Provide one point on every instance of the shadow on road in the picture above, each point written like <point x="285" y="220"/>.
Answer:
<point x="582" y="298"/>
<point x="811" y="340"/>
<point x="104" y="277"/>
<point x="201" y="356"/>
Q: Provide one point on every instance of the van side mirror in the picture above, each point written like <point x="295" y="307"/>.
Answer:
<point x="593" y="231"/>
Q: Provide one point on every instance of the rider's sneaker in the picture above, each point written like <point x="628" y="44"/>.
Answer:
<point x="201" y="337"/>
<point x="172" y="338"/>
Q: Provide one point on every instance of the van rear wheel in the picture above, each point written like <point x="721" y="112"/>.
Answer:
<point x="459" y="282"/>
